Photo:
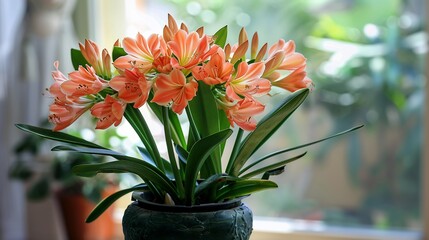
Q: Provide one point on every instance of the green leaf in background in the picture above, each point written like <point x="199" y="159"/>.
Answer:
<point x="265" y="128"/>
<point x="40" y="189"/>
<point x="77" y="59"/>
<point x="105" y="203"/>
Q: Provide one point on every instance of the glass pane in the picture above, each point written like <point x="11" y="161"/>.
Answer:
<point x="366" y="59"/>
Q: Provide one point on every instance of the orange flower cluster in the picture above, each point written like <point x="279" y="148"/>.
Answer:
<point x="172" y="65"/>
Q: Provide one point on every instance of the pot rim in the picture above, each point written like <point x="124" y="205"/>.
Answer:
<point x="143" y="199"/>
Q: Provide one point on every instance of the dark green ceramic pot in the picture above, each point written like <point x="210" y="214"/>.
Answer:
<point x="149" y="221"/>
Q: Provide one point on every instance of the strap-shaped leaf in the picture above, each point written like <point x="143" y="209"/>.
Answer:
<point x="296" y="147"/>
<point x="243" y="187"/>
<point x="146" y="157"/>
<point x="273" y="172"/>
<point x="141" y="170"/>
<point x="127" y="164"/>
<point x="105" y="203"/>
<point x="182" y="154"/>
<point x="221" y="36"/>
<point x="210" y="186"/>
<point x="209" y="182"/>
<point x="208" y="120"/>
<point x="77" y="58"/>
<point x="57" y="136"/>
<point x="272" y="166"/>
<point x="138" y="122"/>
<point x="265" y="128"/>
<point x="197" y="156"/>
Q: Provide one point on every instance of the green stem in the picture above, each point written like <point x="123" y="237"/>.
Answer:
<point x="174" y="167"/>
<point x="192" y="125"/>
<point x="235" y="149"/>
<point x="137" y="121"/>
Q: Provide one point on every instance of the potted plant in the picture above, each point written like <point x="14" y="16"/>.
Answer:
<point x="189" y="193"/>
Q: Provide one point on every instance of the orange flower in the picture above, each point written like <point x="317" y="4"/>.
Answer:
<point x="83" y="82"/>
<point x="162" y="64"/>
<point x="91" y="53"/>
<point x="141" y="52"/>
<point x="294" y="81"/>
<point x="55" y="88"/>
<point x="248" y="82"/>
<point x="216" y="71"/>
<point x="132" y="86"/>
<point x="63" y="115"/>
<point x="64" y="111"/>
<point x="242" y="113"/>
<point x="190" y="49"/>
<point x="108" y="112"/>
<point x="291" y="59"/>
<point x="174" y="88"/>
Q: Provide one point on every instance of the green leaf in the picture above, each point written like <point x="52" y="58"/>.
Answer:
<point x="272" y="166"/>
<point x="243" y="187"/>
<point x="118" y="52"/>
<point x="297" y="147"/>
<point x="77" y="58"/>
<point x="107" y="202"/>
<point x="208" y="120"/>
<point x="220" y="36"/>
<point x="265" y="128"/>
<point x="57" y="136"/>
<point x="129" y="164"/>
<point x="137" y="121"/>
<point x="146" y="157"/>
<point x="197" y="156"/>
<point x="209" y="182"/>
<point x="273" y="172"/>
<point x="182" y="154"/>
<point x="144" y="170"/>
<point x="210" y="186"/>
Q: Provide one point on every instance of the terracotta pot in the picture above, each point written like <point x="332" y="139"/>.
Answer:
<point x="149" y="221"/>
<point x="75" y="209"/>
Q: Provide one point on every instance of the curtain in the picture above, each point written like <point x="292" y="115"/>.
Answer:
<point x="33" y="34"/>
<point x="12" y="202"/>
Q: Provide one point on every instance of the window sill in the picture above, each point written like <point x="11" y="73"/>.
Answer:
<point x="277" y="229"/>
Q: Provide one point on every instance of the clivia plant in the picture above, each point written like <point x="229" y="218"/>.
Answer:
<point x="217" y="86"/>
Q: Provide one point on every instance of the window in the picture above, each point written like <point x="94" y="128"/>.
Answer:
<point x="367" y="59"/>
